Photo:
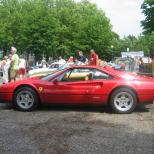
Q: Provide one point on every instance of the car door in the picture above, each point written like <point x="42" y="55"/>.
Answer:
<point x="73" y="87"/>
<point x="103" y="83"/>
<point x="70" y="87"/>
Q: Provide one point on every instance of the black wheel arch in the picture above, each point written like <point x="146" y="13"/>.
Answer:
<point x="119" y="87"/>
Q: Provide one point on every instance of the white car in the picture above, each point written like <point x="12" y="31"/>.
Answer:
<point x="53" y="67"/>
<point x="44" y="71"/>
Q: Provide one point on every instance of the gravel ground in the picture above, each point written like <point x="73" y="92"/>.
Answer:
<point x="76" y="130"/>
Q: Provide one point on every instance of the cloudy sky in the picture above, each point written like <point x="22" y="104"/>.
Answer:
<point x="125" y="15"/>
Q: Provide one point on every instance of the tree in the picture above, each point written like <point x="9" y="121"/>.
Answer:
<point x="54" y="27"/>
<point x="148" y="10"/>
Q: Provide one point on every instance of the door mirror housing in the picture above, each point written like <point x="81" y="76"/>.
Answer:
<point x="55" y="81"/>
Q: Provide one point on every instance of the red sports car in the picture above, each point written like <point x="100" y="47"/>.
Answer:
<point x="92" y="85"/>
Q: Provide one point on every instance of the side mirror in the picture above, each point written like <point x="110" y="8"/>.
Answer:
<point x="55" y="81"/>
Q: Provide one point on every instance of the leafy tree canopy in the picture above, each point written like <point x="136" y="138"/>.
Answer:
<point x="148" y="10"/>
<point x="54" y="27"/>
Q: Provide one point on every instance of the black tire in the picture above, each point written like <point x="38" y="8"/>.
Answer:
<point x="123" y="100"/>
<point x="27" y="93"/>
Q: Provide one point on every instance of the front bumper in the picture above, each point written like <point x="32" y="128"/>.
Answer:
<point x="6" y="97"/>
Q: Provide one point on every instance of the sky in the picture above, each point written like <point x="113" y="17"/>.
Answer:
<point x="125" y="15"/>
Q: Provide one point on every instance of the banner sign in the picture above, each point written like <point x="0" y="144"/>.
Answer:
<point x="132" y="54"/>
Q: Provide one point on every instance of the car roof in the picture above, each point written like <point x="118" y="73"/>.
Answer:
<point x="103" y="68"/>
<point x="85" y="66"/>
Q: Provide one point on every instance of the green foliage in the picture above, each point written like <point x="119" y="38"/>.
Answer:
<point x="54" y="27"/>
<point x="140" y="43"/>
<point x="148" y="10"/>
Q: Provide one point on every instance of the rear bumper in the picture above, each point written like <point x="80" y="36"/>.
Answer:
<point x="6" y="97"/>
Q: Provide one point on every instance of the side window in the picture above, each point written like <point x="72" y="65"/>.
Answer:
<point x="77" y="74"/>
<point x="62" y="77"/>
<point x="66" y="76"/>
<point x="83" y="74"/>
<point x="99" y="75"/>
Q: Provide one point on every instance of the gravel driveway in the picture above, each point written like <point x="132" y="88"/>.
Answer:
<point x="77" y="130"/>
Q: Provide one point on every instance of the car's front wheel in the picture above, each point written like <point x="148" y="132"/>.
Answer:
<point x="25" y="99"/>
<point x="123" y="100"/>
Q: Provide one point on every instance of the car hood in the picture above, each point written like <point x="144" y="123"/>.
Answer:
<point x="40" y="70"/>
<point x="10" y="87"/>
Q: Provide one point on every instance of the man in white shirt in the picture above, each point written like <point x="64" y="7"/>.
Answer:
<point x="61" y="60"/>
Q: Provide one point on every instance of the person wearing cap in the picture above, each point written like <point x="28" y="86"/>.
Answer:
<point x="14" y="67"/>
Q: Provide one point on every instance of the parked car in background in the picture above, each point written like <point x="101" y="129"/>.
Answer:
<point x="1" y="73"/>
<point x="81" y="85"/>
<point x="44" y="71"/>
<point x="32" y="67"/>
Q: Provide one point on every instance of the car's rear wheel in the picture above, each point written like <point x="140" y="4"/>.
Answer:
<point x="25" y="99"/>
<point x="123" y="100"/>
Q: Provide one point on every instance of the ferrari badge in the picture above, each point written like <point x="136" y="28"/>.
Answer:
<point x="40" y="89"/>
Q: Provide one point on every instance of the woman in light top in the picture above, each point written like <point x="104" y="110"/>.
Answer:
<point x="22" y="68"/>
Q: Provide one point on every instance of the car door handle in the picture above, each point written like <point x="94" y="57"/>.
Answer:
<point x="101" y="84"/>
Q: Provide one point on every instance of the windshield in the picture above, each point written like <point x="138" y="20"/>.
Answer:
<point x="50" y="75"/>
<point x="54" y="73"/>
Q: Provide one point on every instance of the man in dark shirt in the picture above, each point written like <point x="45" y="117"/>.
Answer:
<point x="81" y="57"/>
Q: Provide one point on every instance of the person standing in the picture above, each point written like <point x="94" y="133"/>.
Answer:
<point x="136" y="65"/>
<point x="9" y="62"/>
<point x="93" y="58"/>
<point x="70" y="60"/>
<point x="14" y="67"/>
<point x="81" y="58"/>
<point x="5" y="68"/>
<point x="61" y="60"/>
<point x="22" y="68"/>
<point x="153" y="66"/>
<point x="44" y="63"/>
<point x="141" y="65"/>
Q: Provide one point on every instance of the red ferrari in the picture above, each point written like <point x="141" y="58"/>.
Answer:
<point x="91" y="85"/>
